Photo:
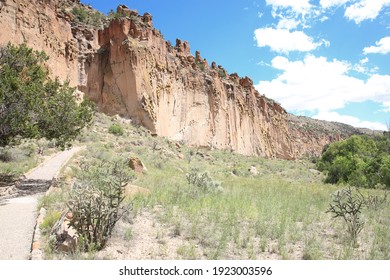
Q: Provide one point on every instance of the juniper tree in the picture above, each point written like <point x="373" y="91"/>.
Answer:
<point x="32" y="105"/>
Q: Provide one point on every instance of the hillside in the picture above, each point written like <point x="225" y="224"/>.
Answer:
<point x="256" y="208"/>
<point x="126" y="67"/>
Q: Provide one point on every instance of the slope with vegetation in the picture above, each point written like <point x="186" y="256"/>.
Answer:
<point x="209" y="204"/>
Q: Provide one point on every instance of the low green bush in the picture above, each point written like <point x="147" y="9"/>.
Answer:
<point x="201" y="182"/>
<point x="116" y="129"/>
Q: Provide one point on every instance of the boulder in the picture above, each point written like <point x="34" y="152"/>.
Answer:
<point x="314" y="171"/>
<point x="253" y="170"/>
<point x="246" y="82"/>
<point x="124" y="10"/>
<point x="137" y="165"/>
<point x="147" y="19"/>
<point x="65" y="235"/>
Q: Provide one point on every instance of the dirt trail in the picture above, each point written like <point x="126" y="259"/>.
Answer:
<point x="18" y="215"/>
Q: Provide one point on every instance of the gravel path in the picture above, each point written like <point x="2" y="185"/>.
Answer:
<point x="18" y="215"/>
<point x="50" y="168"/>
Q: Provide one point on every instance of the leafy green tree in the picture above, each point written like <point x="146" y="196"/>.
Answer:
<point x="361" y="161"/>
<point x="34" y="106"/>
<point x="384" y="170"/>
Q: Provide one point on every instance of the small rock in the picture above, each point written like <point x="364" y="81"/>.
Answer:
<point x="65" y="235"/>
<point x="253" y="170"/>
<point x="137" y="165"/>
<point x="315" y="171"/>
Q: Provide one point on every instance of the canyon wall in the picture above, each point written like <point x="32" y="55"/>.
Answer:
<point x="179" y="96"/>
<point x="128" y="68"/>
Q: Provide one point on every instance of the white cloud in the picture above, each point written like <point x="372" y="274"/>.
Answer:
<point x="336" y="117"/>
<point x="287" y="23"/>
<point x="382" y="47"/>
<point x="331" y="3"/>
<point x="318" y="85"/>
<point x="386" y="106"/>
<point x="284" y="41"/>
<point x="361" y="66"/>
<point x="365" y="10"/>
<point x="298" y="6"/>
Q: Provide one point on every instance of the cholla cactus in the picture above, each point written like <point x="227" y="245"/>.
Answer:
<point x="348" y="206"/>
<point x="96" y="204"/>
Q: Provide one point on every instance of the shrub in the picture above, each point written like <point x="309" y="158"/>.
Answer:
<point x="33" y="105"/>
<point x="6" y="156"/>
<point x="348" y="205"/>
<point x="116" y="129"/>
<point x="201" y="182"/>
<point x="221" y="73"/>
<point x="115" y="15"/>
<point x="80" y="15"/>
<point x="375" y="202"/>
<point x="96" y="202"/>
<point x="83" y="16"/>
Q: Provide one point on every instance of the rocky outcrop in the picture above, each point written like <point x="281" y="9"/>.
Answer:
<point x="139" y="75"/>
<point x="137" y="165"/>
<point x="310" y="136"/>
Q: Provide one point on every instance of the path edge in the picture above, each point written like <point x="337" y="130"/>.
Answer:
<point x="36" y="252"/>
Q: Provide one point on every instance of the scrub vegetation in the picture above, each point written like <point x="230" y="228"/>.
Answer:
<point x="209" y="204"/>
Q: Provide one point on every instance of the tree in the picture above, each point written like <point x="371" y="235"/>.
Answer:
<point x="34" y="106"/>
<point x="361" y="161"/>
<point x="388" y="134"/>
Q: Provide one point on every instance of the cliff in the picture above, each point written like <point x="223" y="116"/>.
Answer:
<point x="137" y="74"/>
<point x="45" y="25"/>
<point x="129" y="69"/>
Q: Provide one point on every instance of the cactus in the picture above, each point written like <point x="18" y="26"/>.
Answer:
<point x="348" y="206"/>
<point x="96" y="207"/>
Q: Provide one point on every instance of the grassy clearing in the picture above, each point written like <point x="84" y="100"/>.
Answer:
<point x="279" y="213"/>
<point x="21" y="158"/>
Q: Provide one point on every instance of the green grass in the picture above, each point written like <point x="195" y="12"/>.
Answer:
<point x="49" y="221"/>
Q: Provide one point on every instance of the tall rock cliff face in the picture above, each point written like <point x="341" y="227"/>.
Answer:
<point x="43" y="25"/>
<point x="128" y="68"/>
<point x="179" y="96"/>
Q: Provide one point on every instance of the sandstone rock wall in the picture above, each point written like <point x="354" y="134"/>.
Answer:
<point x="36" y="24"/>
<point x="42" y="25"/>
<point x="137" y="74"/>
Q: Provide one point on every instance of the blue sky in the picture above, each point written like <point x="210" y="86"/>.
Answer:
<point x="327" y="59"/>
